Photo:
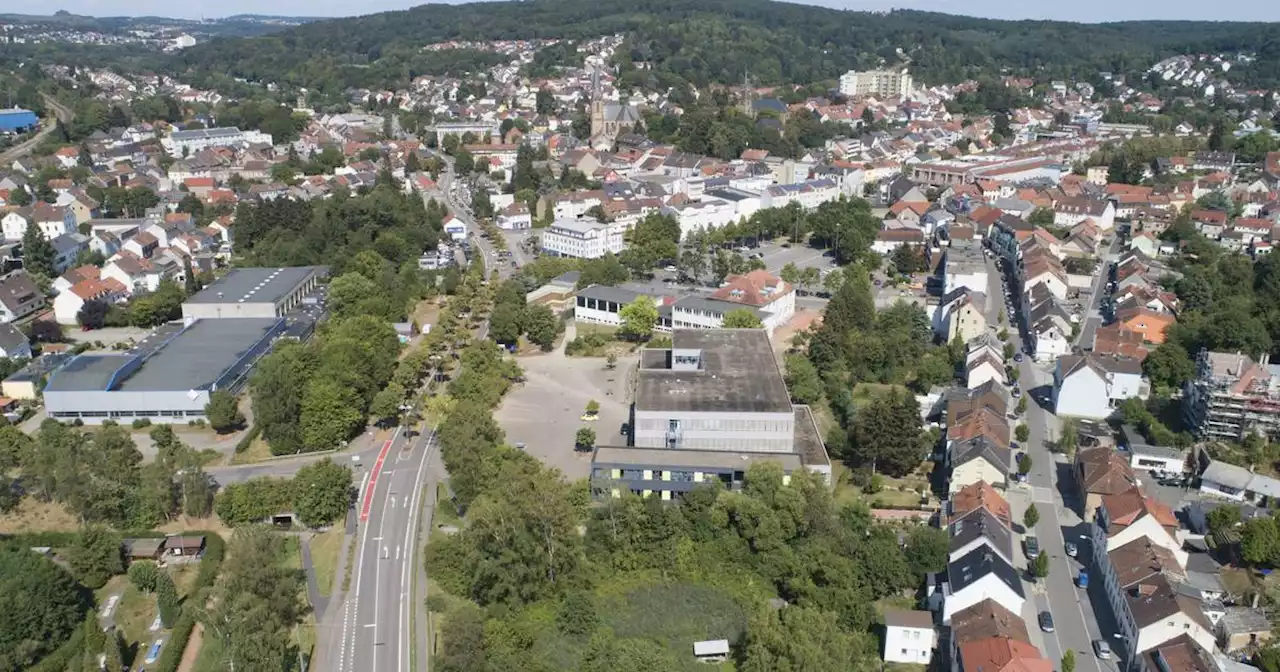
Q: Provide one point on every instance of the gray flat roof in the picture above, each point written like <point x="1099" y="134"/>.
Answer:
<point x="739" y="374"/>
<point x="808" y="442"/>
<point x="690" y="459"/>
<point x="255" y="285"/>
<point x="193" y="358"/>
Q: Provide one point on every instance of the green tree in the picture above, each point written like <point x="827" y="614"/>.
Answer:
<point x="276" y="389"/>
<point x="886" y="434"/>
<point x="800" y="638"/>
<point x="167" y="600"/>
<point x="1169" y="366"/>
<point x="1069" y="661"/>
<point x="143" y="574"/>
<point x="1260" y="541"/>
<point x="38" y="254"/>
<point x="1021" y="432"/>
<point x="1040" y="566"/>
<point x="1223" y="517"/>
<point x="585" y="439"/>
<point x="742" y="318"/>
<point x="926" y="550"/>
<point x="577" y="614"/>
<point x="1022" y="406"/>
<point x="95" y="555"/>
<point x="802" y="379"/>
<point x="504" y="323"/>
<point x="331" y="414"/>
<point x="1041" y="217"/>
<point x="112" y="651"/>
<point x="387" y="402"/>
<point x="20" y="197"/>
<point x="463" y="633"/>
<point x="541" y="325"/>
<point x="40" y="606"/>
<point x="1031" y="517"/>
<point x="1024" y="463"/>
<point x="1070" y="439"/>
<point x="223" y="412"/>
<point x="638" y="318"/>
<point x="322" y="493"/>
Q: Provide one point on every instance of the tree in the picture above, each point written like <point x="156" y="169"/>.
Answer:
<point x="638" y="318"/>
<point x="95" y="556"/>
<point x="386" y="404"/>
<point x="464" y="641"/>
<point x="577" y="614"/>
<point x="143" y="574"/>
<point x="1040" y="566"/>
<point x="331" y="414"/>
<point x="1069" y="661"/>
<point x="223" y="412"/>
<point x="926" y="550"/>
<point x="1021" y="407"/>
<point x="1169" y="366"/>
<point x="112" y="651"/>
<point x="40" y="606"/>
<point x="92" y="314"/>
<point x="504" y="323"/>
<point x="1260" y="541"/>
<point x="799" y="639"/>
<point x="322" y="493"/>
<point x="38" y="255"/>
<point x="1024" y="463"/>
<point x="886" y="434"/>
<point x="1041" y="217"/>
<point x="741" y="318"/>
<point x="1070" y="439"/>
<point x="541" y="325"/>
<point x="803" y="381"/>
<point x="1031" y="517"/>
<point x="1021" y="432"/>
<point x="167" y="600"/>
<point x="20" y="197"/>
<point x="1223" y="517"/>
<point x="593" y="407"/>
<point x="585" y="439"/>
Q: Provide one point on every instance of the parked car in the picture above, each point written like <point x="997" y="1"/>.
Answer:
<point x="153" y="654"/>
<point x="625" y="429"/>
<point x="1032" y="547"/>
<point x="1017" y="356"/>
<point x="1072" y="551"/>
<point x="1046" y="621"/>
<point x="1102" y="648"/>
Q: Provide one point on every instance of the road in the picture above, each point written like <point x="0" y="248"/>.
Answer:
<point x="1050" y="487"/>
<point x="376" y="614"/>
<point x="23" y="148"/>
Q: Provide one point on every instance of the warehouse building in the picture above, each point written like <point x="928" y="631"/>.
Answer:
<point x="254" y="292"/>
<point x="705" y="410"/>
<point x="167" y="378"/>
<point x="17" y="120"/>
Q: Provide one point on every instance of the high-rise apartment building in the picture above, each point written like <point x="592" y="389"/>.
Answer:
<point x="876" y="82"/>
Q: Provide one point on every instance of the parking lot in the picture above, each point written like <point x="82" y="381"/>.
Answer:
<point x="775" y="256"/>
<point x="544" y="412"/>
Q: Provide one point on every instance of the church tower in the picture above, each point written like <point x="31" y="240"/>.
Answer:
<point x="597" y="104"/>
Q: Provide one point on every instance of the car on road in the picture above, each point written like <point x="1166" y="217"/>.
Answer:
<point x="1032" y="547"/>
<point x="625" y="429"/>
<point x="1072" y="551"/>
<point x="1102" y="648"/>
<point x="1046" y="621"/>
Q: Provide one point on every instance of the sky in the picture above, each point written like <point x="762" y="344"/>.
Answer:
<point x="1068" y="10"/>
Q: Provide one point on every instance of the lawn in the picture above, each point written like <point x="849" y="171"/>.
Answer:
<point x="325" y="550"/>
<point x="897" y="493"/>
<point x="257" y="451"/>
<point x="865" y="392"/>
<point x="32" y="515"/>
<point x="675" y="614"/>
<point x="133" y="615"/>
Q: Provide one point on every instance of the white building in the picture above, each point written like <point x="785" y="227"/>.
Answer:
<point x="767" y="296"/>
<point x="876" y="82"/>
<point x="978" y="576"/>
<point x="705" y="215"/>
<point x="187" y="142"/>
<point x="599" y="304"/>
<point x="1093" y="386"/>
<point x="583" y="239"/>
<point x="909" y="636"/>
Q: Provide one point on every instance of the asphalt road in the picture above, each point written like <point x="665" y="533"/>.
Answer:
<point x="376" y="614"/>
<point x="23" y="148"/>
<point x="1050" y="486"/>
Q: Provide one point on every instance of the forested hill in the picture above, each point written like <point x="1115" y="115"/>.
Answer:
<point x="718" y="40"/>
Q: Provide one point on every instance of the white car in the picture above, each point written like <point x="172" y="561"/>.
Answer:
<point x="670" y="269"/>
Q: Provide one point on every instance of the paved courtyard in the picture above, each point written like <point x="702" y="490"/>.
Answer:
<point x="544" y="412"/>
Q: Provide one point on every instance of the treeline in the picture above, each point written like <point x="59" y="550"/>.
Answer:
<point x="720" y="129"/>
<point x="512" y="317"/>
<point x="99" y="475"/>
<point x="685" y="43"/>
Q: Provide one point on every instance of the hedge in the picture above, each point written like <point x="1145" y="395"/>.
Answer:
<point x="63" y="539"/>
<point x="248" y="438"/>
<point x="214" y="550"/>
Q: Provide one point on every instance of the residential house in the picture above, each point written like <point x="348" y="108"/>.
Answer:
<point x="1101" y="472"/>
<point x="909" y="636"/>
<point x="1243" y="628"/>
<point x="19" y="296"/>
<point x="982" y="369"/>
<point x="985" y="620"/>
<point x="1093" y="386"/>
<point x="1211" y="223"/>
<point x="13" y="343"/>
<point x="1150" y="324"/>
<point x="1068" y="212"/>
<point x="981" y="575"/>
<point x="1115" y="340"/>
<point x="888" y="240"/>
<point x="67" y="305"/>
<point x="960" y="314"/>
<point x="1154" y="613"/>
<point x="1132" y="514"/>
<point x="980" y="529"/>
<point x="981" y="458"/>
<point x="980" y="496"/>
<point x="999" y="654"/>
<point x="1183" y="654"/>
<point x="1146" y="242"/>
<point x="67" y="249"/>
<point x="515" y="217"/>
<point x="1146" y="456"/>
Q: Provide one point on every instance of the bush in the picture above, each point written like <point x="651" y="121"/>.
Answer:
<point x="248" y="438"/>
<point x="214" y="550"/>
<point x="141" y="423"/>
<point x="167" y="600"/>
<point x="143" y="575"/>
<point x="1021" y="433"/>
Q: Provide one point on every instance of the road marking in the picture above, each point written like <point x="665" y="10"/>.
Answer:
<point x="373" y="480"/>
<point x="397" y="552"/>
<point x="411" y="535"/>
<point x="392" y="501"/>
<point x="370" y="625"/>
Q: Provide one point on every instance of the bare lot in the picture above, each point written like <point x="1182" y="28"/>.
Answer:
<point x="544" y="412"/>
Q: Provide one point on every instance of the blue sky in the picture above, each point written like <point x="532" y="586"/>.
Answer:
<point x="1072" y="10"/>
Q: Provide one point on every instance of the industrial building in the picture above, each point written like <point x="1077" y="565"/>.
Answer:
<point x="167" y="378"/>
<point x="179" y="143"/>
<point x="254" y="292"/>
<point x="706" y="409"/>
<point x="1233" y="396"/>
<point x="18" y="120"/>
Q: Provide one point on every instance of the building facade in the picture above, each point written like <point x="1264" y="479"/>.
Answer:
<point x="876" y="82"/>
<point x="254" y="292"/>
